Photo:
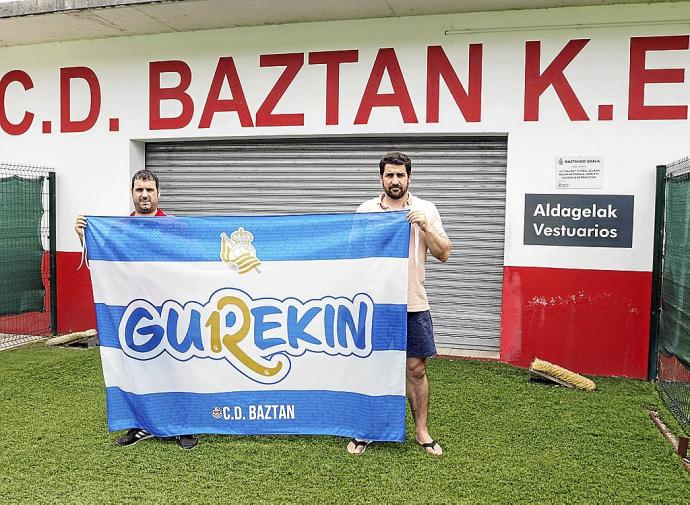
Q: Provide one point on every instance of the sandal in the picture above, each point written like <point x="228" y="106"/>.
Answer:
<point x="431" y="445"/>
<point x="358" y="443"/>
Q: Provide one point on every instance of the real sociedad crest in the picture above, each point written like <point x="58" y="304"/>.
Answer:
<point x="238" y="252"/>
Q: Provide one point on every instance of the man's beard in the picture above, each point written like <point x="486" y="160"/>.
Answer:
<point x="144" y="207"/>
<point x="397" y="195"/>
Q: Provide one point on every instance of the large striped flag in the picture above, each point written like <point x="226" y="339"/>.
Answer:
<point x="253" y="325"/>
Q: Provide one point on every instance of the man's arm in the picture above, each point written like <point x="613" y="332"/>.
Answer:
<point x="79" y="226"/>
<point x="439" y="246"/>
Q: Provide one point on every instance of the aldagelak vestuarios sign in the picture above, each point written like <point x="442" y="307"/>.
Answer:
<point x="579" y="220"/>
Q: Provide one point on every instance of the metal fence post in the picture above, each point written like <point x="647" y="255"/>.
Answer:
<point x="53" y="252"/>
<point x="657" y="269"/>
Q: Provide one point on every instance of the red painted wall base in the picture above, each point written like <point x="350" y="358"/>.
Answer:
<point x="75" y="296"/>
<point x="589" y="321"/>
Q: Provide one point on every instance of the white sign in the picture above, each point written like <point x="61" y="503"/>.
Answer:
<point x="579" y="172"/>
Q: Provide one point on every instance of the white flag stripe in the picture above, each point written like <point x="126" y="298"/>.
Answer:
<point x="377" y="375"/>
<point x="304" y="280"/>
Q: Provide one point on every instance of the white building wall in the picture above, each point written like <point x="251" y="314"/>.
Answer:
<point x="93" y="165"/>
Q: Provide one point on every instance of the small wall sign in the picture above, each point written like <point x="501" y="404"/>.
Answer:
<point x="579" y="172"/>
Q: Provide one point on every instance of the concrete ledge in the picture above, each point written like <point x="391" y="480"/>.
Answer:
<point x="449" y="352"/>
<point x="20" y="8"/>
<point x="45" y="21"/>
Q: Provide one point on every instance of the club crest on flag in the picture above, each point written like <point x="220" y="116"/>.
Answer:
<point x="238" y="252"/>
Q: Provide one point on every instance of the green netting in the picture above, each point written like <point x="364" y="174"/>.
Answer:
<point x="674" y="336"/>
<point x="21" y="250"/>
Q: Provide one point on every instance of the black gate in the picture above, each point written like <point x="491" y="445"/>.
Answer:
<point x="670" y="328"/>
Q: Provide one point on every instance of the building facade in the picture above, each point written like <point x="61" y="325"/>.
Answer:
<point x="536" y="132"/>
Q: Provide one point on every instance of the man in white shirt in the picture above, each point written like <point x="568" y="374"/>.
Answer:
<point x="426" y="234"/>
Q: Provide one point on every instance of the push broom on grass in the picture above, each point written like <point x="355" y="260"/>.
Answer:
<point x="544" y="371"/>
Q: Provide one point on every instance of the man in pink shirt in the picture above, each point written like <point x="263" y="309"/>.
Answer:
<point x="426" y="234"/>
<point x="145" y="193"/>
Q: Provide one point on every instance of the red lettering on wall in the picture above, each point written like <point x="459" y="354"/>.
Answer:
<point x="333" y="60"/>
<point x="292" y="62"/>
<point x="640" y="76"/>
<point x="178" y="93"/>
<point x="386" y="61"/>
<point x="25" y="80"/>
<point x="536" y="83"/>
<point x="438" y="66"/>
<point x="226" y="71"/>
<point x="67" y="124"/>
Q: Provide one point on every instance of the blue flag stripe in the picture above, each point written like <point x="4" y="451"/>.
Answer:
<point x="306" y="237"/>
<point x="303" y="412"/>
<point x="389" y="330"/>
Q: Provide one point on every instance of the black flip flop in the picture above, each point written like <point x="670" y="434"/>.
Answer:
<point x="360" y="443"/>
<point x="431" y="445"/>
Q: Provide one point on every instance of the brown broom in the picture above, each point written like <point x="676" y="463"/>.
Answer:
<point x="71" y="337"/>
<point x="554" y="373"/>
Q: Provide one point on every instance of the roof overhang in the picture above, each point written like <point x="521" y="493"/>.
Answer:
<point x="39" y="21"/>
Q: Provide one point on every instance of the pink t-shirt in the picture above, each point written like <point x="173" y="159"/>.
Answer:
<point x="417" y="300"/>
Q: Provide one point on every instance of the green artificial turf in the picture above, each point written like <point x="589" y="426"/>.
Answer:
<point x="506" y="441"/>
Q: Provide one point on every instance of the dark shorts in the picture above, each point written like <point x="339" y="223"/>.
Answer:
<point x="420" y="335"/>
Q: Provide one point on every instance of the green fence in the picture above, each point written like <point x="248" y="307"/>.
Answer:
<point x="28" y="292"/>
<point x="673" y="288"/>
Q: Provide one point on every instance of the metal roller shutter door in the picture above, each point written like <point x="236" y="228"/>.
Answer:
<point x="464" y="176"/>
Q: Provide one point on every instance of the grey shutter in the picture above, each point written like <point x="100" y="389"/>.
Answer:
<point x="465" y="177"/>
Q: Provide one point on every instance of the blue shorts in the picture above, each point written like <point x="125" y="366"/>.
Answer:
<point x="420" y="335"/>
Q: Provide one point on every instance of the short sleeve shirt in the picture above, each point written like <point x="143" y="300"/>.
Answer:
<point x="159" y="213"/>
<point x="417" y="299"/>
